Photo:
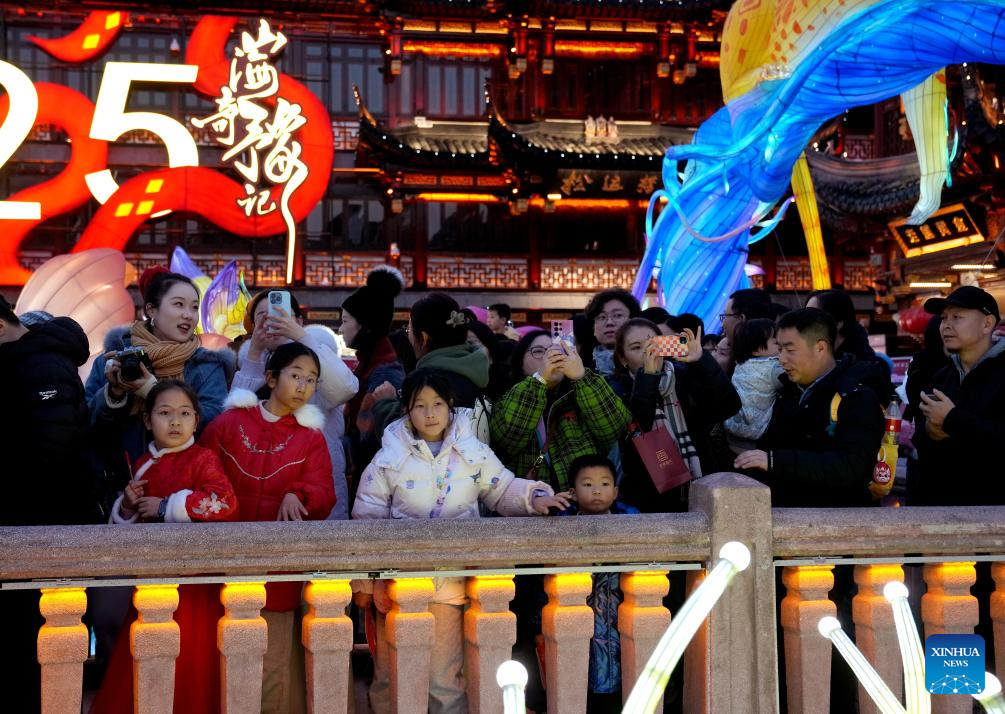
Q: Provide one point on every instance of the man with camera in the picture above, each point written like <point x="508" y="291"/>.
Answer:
<point x="961" y="413"/>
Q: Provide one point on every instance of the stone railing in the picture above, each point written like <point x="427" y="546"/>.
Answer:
<point x="731" y="665"/>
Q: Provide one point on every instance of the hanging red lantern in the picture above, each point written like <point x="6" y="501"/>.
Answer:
<point x="914" y="320"/>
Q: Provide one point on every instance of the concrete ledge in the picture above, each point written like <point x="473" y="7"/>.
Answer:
<point x="166" y="550"/>
<point x="874" y="532"/>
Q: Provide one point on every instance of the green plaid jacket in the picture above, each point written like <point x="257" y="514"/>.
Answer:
<point x="586" y="419"/>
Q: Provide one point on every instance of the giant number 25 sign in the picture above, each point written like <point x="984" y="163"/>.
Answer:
<point x="276" y="134"/>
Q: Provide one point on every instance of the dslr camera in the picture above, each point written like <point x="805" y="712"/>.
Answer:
<point x="129" y="363"/>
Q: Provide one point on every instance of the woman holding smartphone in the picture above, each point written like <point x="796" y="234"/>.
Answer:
<point x="686" y="395"/>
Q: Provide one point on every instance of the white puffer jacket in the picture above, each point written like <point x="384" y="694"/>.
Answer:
<point x="405" y="480"/>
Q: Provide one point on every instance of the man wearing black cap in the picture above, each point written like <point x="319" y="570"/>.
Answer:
<point x="961" y="421"/>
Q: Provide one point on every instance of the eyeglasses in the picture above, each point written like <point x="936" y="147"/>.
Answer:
<point x="538" y="352"/>
<point x="302" y="380"/>
<point x="724" y="315"/>
<point x="615" y="317"/>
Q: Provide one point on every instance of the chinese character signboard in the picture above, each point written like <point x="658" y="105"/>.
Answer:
<point x="276" y="134"/>
<point x="950" y="227"/>
<point x="598" y="183"/>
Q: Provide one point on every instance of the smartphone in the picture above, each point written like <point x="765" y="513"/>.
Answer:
<point x="562" y="330"/>
<point x="280" y="299"/>
<point x="671" y="345"/>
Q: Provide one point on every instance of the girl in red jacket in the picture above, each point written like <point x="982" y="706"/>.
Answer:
<point x="275" y="455"/>
<point x="175" y="482"/>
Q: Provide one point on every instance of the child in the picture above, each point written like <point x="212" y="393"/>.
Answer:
<point x="595" y="492"/>
<point x="431" y="465"/>
<point x="275" y="455"/>
<point x="176" y="482"/>
<point x="756" y="381"/>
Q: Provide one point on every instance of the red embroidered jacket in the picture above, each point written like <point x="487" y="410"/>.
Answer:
<point x="193" y="481"/>
<point x="266" y="460"/>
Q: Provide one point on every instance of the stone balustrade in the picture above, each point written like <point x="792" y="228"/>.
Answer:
<point x="731" y="666"/>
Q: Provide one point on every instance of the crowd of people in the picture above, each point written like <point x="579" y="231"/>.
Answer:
<point x="450" y="417"/>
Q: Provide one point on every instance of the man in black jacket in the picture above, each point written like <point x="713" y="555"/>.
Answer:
<point x="44" y="423"/>
<point x="45" y="420"/>
<point x="961" y="420"/>
<point x="821" y="445"/>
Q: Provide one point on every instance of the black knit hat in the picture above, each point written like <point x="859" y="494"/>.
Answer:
<point x="373" y="304"/>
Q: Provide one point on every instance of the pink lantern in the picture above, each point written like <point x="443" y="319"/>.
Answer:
<point x="90" y="287"/>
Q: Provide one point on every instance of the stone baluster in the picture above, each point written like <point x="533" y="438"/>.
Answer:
<point x="242" y="637"/>
<point x="489" y="636"/>
<point x="715" y="678"/>
<point x="807" y="654"/>
<point x="567" y="625"/>
<point x="327" y="638"/>
<point x="155" y="641"/>
<point x="62" y="649"/>
<point x="410" y="631"/>
<point x="875" y="632"/>
<point x="998" y="618"/>
<point x="948" y="608"/>
<point x="642" y="619"/>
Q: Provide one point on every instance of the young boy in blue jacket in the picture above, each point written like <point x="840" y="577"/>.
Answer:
<point x="595" y="492"/>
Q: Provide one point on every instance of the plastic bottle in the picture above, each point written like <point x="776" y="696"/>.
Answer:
<point x="893" y="423"/>
<point x="884" y="473"/>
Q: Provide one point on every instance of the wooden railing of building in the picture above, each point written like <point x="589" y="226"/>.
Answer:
<point x="730" y="667"/>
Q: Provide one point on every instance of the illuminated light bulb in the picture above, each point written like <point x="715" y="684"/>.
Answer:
<point x="870" y="680"/>
<point x="991" y="698"/>
<point x="919" y="701"/>
<point x="734" y="557"/>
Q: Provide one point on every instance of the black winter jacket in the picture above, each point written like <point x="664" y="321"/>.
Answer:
<point x="966" y="469"/>
<point x="707" y="397"/>
<point x="45" y="424"/>
<point x="816" y="461"/>
<point x="869" y="369"/>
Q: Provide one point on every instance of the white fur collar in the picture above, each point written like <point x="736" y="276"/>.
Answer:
<point x="308" y="415"/>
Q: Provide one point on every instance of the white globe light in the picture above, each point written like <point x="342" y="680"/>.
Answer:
<point x="893" y="590"/>
<point x="736" y="553"/>
<point x="511" y="672"/>
<point x="828" y="625"/>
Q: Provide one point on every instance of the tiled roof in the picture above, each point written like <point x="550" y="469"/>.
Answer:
<point x="550" y="141"/>
<point x="874" y="187"/>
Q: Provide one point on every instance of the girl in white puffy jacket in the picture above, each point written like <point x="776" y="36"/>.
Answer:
<point x="431" y="465"/>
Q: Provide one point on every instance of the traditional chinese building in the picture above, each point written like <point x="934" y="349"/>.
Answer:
<point x="503" y="150"/>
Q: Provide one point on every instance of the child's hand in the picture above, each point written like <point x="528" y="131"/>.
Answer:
<point x="148" y="506"/>
<point x="291" y="509"/>
<point x="541" y="504"/>
<point x="131" y="497"/>
<point x="380" y="598"/>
